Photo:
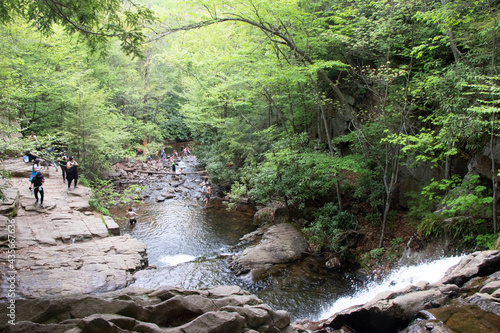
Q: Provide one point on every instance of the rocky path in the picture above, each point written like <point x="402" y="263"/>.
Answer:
<point x="64" y="248"/>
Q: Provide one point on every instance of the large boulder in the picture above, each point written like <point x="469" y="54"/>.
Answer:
<point x="280" y="244"/>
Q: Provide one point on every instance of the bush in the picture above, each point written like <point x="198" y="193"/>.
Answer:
<point x="330" y="228"/>
<point x="486" y="241"/>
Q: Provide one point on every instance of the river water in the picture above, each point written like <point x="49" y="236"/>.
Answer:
<point x="190" y="247"/>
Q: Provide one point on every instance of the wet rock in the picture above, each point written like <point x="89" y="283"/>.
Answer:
<point x="280" y="244"/>
<point x="478" y="263"/>
<point x="474" y="280"/>
<point x="333" y="263"/>
<point x="111" y="225"/>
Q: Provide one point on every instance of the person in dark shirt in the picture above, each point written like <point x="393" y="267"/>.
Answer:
<point x="63" y="161"/>
<point x="37" y="183"/>
<point x="72" y="172"/>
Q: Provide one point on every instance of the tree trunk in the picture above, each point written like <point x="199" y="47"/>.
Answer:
<point x="389" y="188"/>
<point x="146" y="93"/>
<point x="454" y="49"/>
<point x="493" y="167"/>
<point x="146" y="98"/>
<point x="291" y="109"/>
<point x="493" y="174"/>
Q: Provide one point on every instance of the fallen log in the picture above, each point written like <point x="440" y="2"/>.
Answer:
<point x="171" y="173"/>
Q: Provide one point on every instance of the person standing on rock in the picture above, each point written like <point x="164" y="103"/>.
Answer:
<point x="34" y="169"/>
<point x="37" y="183"/>
<point x="132" y="216"/>
<point x="63" y="161"/>
<point x="203" y="185"/>
<point x="50" y="157"/>
<point x="72" y="172"/>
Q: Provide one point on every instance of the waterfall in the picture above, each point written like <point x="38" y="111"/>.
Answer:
<point x="396" y="280"/>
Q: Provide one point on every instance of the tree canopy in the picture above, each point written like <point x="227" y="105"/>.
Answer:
<point x="306" y="103"/>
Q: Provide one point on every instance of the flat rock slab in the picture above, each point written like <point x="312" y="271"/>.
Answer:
<point x="80" y="268"/>
<point x="280" y="244"/>
<point x="63" y="248"/>
<point x="56" y="228"/>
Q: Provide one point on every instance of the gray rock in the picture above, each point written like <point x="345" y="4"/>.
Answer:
<point x="167" y="310"/>
<point x="471" y="266"/>
<point x="10" y="202"/>
<point x="216" y="322"/>
<point x="112" y="226"/>
<point x="280" y="244"/>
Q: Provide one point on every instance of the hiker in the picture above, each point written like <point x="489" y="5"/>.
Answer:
<point x="72" y="172"/>
<point x="37" y="183"/>
<point x="173" y="167"/>
<point x="131" y="216"/>
<point x="207" y="196"/>
<point x="33" y="137"/>
<point x="34" y="169"/>
<point x="50" y="158"/>
<point x="29" y="157"/>
<point x="63" y="161"/>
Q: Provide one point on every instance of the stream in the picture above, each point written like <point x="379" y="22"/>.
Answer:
<point x="190" y="247"/>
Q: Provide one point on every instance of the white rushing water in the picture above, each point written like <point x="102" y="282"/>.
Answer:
<point x="174" y="260"/>
<point x="395" y="280"/>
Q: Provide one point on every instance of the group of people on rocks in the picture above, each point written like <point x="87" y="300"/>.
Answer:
<point x="69" y="168"/>
<point x="161" y="155"/>
<point x="68" y="165"/>
<point x="69" y="171"/>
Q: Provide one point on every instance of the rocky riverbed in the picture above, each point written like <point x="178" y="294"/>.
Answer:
<point x="71" y="270"/>
<point x="65" y="268"/>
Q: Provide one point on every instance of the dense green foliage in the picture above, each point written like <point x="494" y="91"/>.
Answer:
<point x="306" y="103"/>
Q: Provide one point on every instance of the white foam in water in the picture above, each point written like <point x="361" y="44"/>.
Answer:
<point x="396" y="280"/>
<point x="176" y="259"/>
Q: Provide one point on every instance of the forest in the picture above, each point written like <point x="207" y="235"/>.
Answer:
<point x="355" y="115"/>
